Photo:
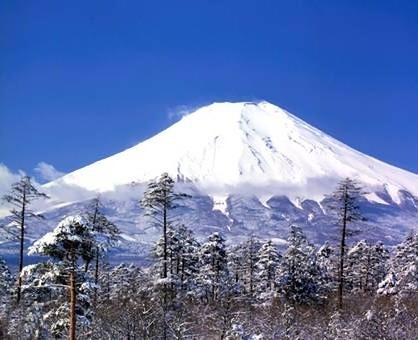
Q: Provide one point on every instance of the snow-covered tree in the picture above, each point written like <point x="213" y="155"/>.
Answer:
<point x="69" y="243"/>
<point x="158" y="200"/>
<point x="372" y="325"/>
<point x="357" y="267"/>
<point x="182" y="262"/>
<point x="106" y="234"/>
<point x="236" y="264"/>
<point x="185" y="257"/>
<point x="402" y="278"/>
<point x="266" y="268"/>
<point x="379" y="265"/>
<point x="250" y="257"/>
<point x="126" y="306"/>
<point x="327" y="260"/>
<point x="345" y="204"/>
<point x="21" y="195"/>
<point x="299" y="276"/>
<point x="338" y="327"/>
<point x="365" y="266"/>
<point x="213" y="276"/>
<point x="6" y="284"/>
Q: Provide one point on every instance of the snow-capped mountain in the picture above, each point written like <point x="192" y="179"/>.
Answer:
<point x="225" y="148"/>
<point x="252" y="168"/>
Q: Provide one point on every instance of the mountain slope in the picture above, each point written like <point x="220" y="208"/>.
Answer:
<point x="256" y="148"/>
<point x="251" y="169"/>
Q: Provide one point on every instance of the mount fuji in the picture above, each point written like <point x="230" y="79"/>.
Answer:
<point x="252" y="168"/>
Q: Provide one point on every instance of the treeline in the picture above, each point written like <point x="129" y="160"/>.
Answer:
<point x="210" y="290"/>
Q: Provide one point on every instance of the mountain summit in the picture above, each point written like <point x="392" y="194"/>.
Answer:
<point x="237" y="147"/>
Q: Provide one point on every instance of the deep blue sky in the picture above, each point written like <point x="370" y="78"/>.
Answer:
<point x="81" y="80"/>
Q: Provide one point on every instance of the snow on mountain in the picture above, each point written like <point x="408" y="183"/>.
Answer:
<point x="255" y="148"/>
<point x="252" y="169"/>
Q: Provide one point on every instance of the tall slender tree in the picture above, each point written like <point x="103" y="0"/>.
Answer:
<point x="345" y="203"/>
<point x="158" y="201"/>
<point x="106" y="234"/>
<point x="22" y="193"/>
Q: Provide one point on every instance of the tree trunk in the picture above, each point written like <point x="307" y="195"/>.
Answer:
<point x="96" y="273"/>
<point x="342" y="250"/>
<point x="73" y="300"/>
<point x="165" y="240"/>
<point x="22" y="241"/>
<point x="165" y="266"/>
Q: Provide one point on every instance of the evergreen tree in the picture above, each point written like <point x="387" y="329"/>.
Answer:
<point x="379" y="265"/>
<point x="268" y="261"/>
<point x="345" y="204"/>
<point x="366" y="266"/>
<point x="159" y="199"/>
<point x="402" y="278"/>
<point x="214" y="276"/>
<point x="299" y="275"/>
<point x="125" y="308"/>
<point x="21" y="195"/>
<point x="236" y="264"/>
<point x="68" y="243"/>
<point x="105" y="232"/>
<point x="185" y="258"/>
<point x="250" y="257"/>
<point x="6" y="284"/>
<point x="357" y="267"/>
<point x="326" y="259"/>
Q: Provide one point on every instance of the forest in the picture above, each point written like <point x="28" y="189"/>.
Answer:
<point x="208" y="288"/>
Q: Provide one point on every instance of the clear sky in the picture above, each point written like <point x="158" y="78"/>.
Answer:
<point x="81" y="80"/>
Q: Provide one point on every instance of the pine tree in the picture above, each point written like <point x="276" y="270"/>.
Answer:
<point x="185" y="258"/>
<point x="379" y="265"/>
<point x="357" y="267"/>
<point x="105" y="232"/>
<point x="402" y="278"/>
<point x="299" y="274"/>
<point x="68" y="243"/>
<point x="159" y="199"/>
<point x="21" y="195"/>
<point x="125" y="308"/>
<point x="267" y="264"/>
<point x="6" y="283"/>
<point x="46" y="299"/>
<point x="214" y="276"/>
<point x="326" y="259"/>
<point x="250" y="257"/>
<point x="345" y="204"/>
<point x="236" y="264"/>
<point x="366" y="266"/>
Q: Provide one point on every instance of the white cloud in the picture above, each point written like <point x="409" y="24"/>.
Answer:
<point x="7" y="178"/>
<point x="47" y="172"/>
<point x="179" y="112"/>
